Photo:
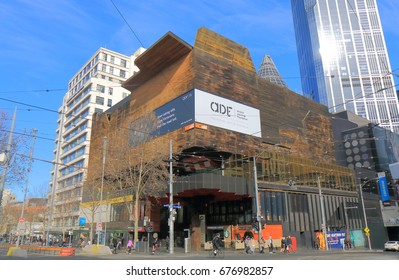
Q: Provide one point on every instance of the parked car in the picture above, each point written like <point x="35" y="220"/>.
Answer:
<point x="391" y="246"/>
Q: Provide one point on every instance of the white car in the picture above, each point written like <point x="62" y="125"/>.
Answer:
<point x="391" y="246"/>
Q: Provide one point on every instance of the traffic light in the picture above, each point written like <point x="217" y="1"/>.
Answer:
<point x="255" y="226"/>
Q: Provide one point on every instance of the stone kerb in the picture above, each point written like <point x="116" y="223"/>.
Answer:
<point x="97" y="250"/>
<point x="17" y="252"/>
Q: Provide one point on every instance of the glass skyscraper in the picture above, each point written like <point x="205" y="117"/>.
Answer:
<point x="343" y="58"/>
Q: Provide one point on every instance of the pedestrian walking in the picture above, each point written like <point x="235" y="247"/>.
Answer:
<point x="155" y="245"/>
<point x="167" y="243"/>
<point x="129" y="246"/>
<point x="115" y="245"/>
<point x="270" y="244"/>
<point x="317" y="243"/>
<point x="262" y="244"/>
<point x="289" y="244"/>
<point x="283" y="245"/>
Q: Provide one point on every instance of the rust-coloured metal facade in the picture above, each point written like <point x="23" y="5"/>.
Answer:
<point x="295" y="150"/>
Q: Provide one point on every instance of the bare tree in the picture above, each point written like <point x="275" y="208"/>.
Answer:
<point x="35" y="215"/>
<point x="136" y="166"/>
<point x="91" y="203"/>
<point x="9" y="218"/>
<point x="38" y="191"/>
<point x="17" y="161"/>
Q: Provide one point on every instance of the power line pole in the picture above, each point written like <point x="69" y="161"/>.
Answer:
<point x="258" y="216"/>
<point x="99" y="230"/>
<point x="171" y="209"/>
<point x="364" y="214"/>
<point x="323" y="214"/>
<point x="26" y="185"/>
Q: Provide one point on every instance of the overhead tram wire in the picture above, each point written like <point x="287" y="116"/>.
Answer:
<point x="25" y="134"/>
<point x="29" y="105"/>
<point x="131" y="29"/>
<point x="35" y="90"/>
<point x="366" y="95"/>
<point x="42" y="108"/>
<point x="51" y="162"/>
<point x="54" y="111"/>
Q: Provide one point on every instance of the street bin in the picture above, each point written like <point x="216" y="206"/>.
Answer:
<point x="143" y="246"/>
<point x="187" y="245"/>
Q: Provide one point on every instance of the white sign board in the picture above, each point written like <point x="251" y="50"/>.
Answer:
<point x="224" y="113"/>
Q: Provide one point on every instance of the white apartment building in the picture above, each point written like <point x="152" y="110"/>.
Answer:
<point x="8" y="198"/>
<point x="94" y="88"/>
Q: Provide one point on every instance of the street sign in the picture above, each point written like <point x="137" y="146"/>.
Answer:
<point x="99" y="227"/>
<point x="149" y="229"/>
<point x="21" y="220"/>
<point x="366" y="230"/>
<point x="82" y="222"/>
<point x="175" y="206"/>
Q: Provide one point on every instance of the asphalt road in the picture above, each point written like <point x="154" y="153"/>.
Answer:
<point x="305" y="254"/>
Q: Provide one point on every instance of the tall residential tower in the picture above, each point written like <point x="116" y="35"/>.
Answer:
<point x="94" y="88"/>
<point x="343" y="58"/>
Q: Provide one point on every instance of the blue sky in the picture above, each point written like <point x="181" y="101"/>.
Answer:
<point x="44" y="43"/>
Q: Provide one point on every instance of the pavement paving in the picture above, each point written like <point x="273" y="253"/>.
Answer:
<point x="229" y="254"/>
<point x="179" y="253"/>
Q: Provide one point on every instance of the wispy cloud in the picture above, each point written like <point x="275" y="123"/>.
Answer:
<point x="250" y="23"/>
<point x="37" y="33"/>
<point x="389" y="11"/>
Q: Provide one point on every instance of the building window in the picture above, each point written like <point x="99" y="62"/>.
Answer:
<point x="119" y="213"/>
<point x="99" y="100"/>
<point x="105" y="56"/>
<point x="101" y="88"/>
<point x="122" y="73"/>
<point x="98" y="111"/>
<point x="111" y="70"/>
<point x="109" y="102"/>
<point x="110" y="91"/>
<point x="104" y="68"/>
<point x="123" y="63"/>
<point x="112" y="59"/>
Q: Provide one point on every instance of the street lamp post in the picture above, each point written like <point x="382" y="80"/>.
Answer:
<point x="102" y="188"/>
<point x="364" y="212"/>
<point x="171" y="221"/>
<point x="106" y="218"/>
<point x="258" y="218"/>
<point x="323" y="215"/>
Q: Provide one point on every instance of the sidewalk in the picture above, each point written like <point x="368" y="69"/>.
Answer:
<point x="179" y="253"/>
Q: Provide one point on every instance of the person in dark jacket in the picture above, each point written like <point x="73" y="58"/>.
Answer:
<point x="283" y="245"/>
<point x="289" y="244"/>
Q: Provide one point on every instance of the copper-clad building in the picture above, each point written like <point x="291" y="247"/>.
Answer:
<point x="219" y="116"/>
